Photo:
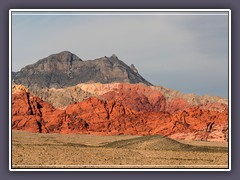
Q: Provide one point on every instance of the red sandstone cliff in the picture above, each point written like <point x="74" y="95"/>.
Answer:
<point x="132" y="109"/>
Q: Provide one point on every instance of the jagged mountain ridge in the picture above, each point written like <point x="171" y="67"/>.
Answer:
<point x="66" y="69"/>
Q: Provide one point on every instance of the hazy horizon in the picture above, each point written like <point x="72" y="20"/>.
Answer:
<point x="188" y="53"/>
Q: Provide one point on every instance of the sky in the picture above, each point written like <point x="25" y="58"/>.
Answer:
<point x="182" y="51"/>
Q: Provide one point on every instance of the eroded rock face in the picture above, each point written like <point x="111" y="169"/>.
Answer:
<point x="60" y="98"/>
<point x="27" y="111"/>
<point x="16" y="88"/>
<point x="131" y="111"/>
<point x="177" y="104"/>
<point x="192" y="99"/>
<point x="196" y="123"/>
<point x="66" y="69"/>
<point x="137" y="97"/>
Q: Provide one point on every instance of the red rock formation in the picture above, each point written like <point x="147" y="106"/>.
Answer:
<point x="26" y="112"/>
<point x="131" y="110"/>
<point x="200" y="124"/>
<point x="178" y="104"/>
<point x="137" y="97"/>
<point x="214" y="106"/>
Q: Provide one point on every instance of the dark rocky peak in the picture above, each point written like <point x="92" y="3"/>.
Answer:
<point x="62" y="61"/>
<point x="114" y="56"/>
<point x="114" y="59"/>
<point x="66" y="69"/>
<point x="134" y="68"/>
<point x="64" y="56"/>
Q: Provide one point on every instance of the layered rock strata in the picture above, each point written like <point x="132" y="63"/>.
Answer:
<point x="131" y="110"/>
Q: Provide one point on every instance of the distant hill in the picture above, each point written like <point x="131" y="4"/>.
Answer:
<point x="66" y="69"/>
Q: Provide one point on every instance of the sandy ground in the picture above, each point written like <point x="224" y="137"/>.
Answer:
<point x="32" y="150"/>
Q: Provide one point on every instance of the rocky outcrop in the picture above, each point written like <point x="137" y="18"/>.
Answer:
<point x="19" y="88"/>
<point x="66" y="69"/>
<point x="26" y="111"/>
<point x="137" y="97"/>
<point x="131" y="111"/>
<point x="134" y="68"/>
<point x="177" y="104"/>
<point x="62" y="97"/>
<point x="196" y="123"/>
<point x="192" y="99"/>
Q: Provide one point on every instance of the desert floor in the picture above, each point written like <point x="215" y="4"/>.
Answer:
<point x="34" y="150"/>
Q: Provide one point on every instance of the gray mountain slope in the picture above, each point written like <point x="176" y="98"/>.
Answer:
<point x="66" y="69"/>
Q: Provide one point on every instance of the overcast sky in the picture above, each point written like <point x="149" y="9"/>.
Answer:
<point x="184" y="52"/>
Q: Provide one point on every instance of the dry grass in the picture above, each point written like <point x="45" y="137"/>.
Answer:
<point x="30" y="150"/>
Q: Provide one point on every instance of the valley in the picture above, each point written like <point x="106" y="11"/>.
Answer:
<point x="34" y="150"/>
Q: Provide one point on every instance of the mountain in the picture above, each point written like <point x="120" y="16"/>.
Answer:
<point x="64" y="94"/>
<point x="131" y="111"/>
<point x="66" y="69"/>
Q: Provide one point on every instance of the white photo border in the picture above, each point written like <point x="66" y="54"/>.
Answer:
<point x="175" y="11"/>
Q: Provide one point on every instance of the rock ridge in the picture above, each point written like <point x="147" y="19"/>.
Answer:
<point x="113" y="115"/>
<point x="65" y="69"/>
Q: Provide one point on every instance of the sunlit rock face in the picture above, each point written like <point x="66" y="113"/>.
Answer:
<point x="132" y="109"/>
